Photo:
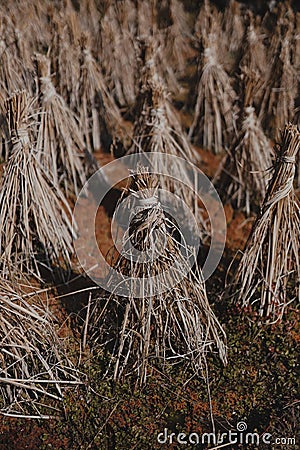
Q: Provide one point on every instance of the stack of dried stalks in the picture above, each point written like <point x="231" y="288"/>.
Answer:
<point x="16" y="66"/>
<point x="281" y="86"/>
<point x="268" y="275"/>
<point x="34" y="368"/>
<point x="176" y="37"/>
<point x="64" y="53"/>
<point x="118" y="53"/>
<point x="242" y="175"/>
<point x="234" y="26"/>
<point x="166" y="317"/>
<point x="213" y="125"/>
<point x="157" y="129"/>
<point x="33" y="212"/>
<point x="59" y="137"/>
<point x="100" y="117"/>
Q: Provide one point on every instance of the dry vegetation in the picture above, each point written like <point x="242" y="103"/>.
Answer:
<point x="84" y="82"/>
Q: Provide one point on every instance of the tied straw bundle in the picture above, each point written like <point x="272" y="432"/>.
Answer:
<point x="242" y="175"/>
<point x="33" y="366"/>
<point x="157" y="326"/>
<point x="281" y="86"/>
<point x="157" y="129"/>
<point x="33" y="212"/>
<point x="100" y="117"/>
<point x="268" y="274"/>
<point x="59" y="136"/>
<point x="214" y="118"/>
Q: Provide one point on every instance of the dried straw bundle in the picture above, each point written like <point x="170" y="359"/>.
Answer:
<point x="209" y="20"/>
<point x="65" y="54"/>
<point x="33" y="212"/>
<point x="253" y="65"/>
<point x="233" y="25"/>
<point x="242" y="175"/>
<point x="118" y="54"/>
<point x="176" y="37"/>
<point x="163" y="325"/>
<point x="269" y="272"/>
<point x="16" y="67"/>
<point x="100" y="117"/>
<point x="59" y="136"/>
<point x="157" y="129"/>
<point x="281" y="86"/>
<point x="34" y="367"/>
<point x="213" y="126"/>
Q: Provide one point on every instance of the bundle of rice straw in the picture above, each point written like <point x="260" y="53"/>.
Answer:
<point x="242" y="174"/>
<point x="118" y="53"/>
<point x="34" y="368"/>
<point x="268" y="274"/>
<point x="208" y="20"/>
<point x="34" y="213"/>
<point x="253" y="65"/>
<point x="16" y="68"/>
<point x="233" y="26"/>
<point x="157" y="129"/>
<point x="166" y="317"/>
<point x="176" y="36"/>
<point x="213" y="126"/>
<point x="281" y="86"/>
<point x="59" y="137"/>
<point x="64" y="53"/>
<point x="100" y="117"/>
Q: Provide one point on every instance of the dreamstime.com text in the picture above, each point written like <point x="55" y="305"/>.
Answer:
<point x="238" y="436"/>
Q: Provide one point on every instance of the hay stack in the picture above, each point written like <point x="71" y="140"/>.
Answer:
<point x="33" y="212"/>
<point x="213" y="125"/>
<point x="100" y="117"/>
<point x="233" y="25"/>
<point x="268" y="274"/>
<point x="118" y="54"/>
<point x="242" y="177"/>
<point x="154" y="324"/>
<point x="281" y="86"/>
<point x="59" y="138"/>
<point x="34" y="367"/>
<point x="157" y="129"/>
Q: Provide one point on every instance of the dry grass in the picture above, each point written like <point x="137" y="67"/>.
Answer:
<point x="154" y="324"/>
<point x="213" y="125"/>
<point x="59" y="137"/>
<point x="281" y="86"/>
<point x="268" y="274"/>
<point x="34" y="213"/>
<point x="34" y="367"/>
<point x="100" y="117"/>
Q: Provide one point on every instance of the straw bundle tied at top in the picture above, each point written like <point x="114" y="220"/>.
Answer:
<point x="154" y="324"/>
<point x="100" y="117"/>
<point x="281" y="86"/>
<point x="253" y="66"/>
<point x="34" y="219"/>
<point x="269" y="272"/>
<point x="158" y="130"/>
<point x="59" y="136"/>
<point x="242" y="177"/>
<point x="33" y="366"/>
<point x="233" y="25"/>
<point x="16" y="65"/>
<point x="118" y="54"/>
<point x="213" y="125"/>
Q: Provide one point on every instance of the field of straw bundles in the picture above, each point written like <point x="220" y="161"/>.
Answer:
<point x="149" y="224"/>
